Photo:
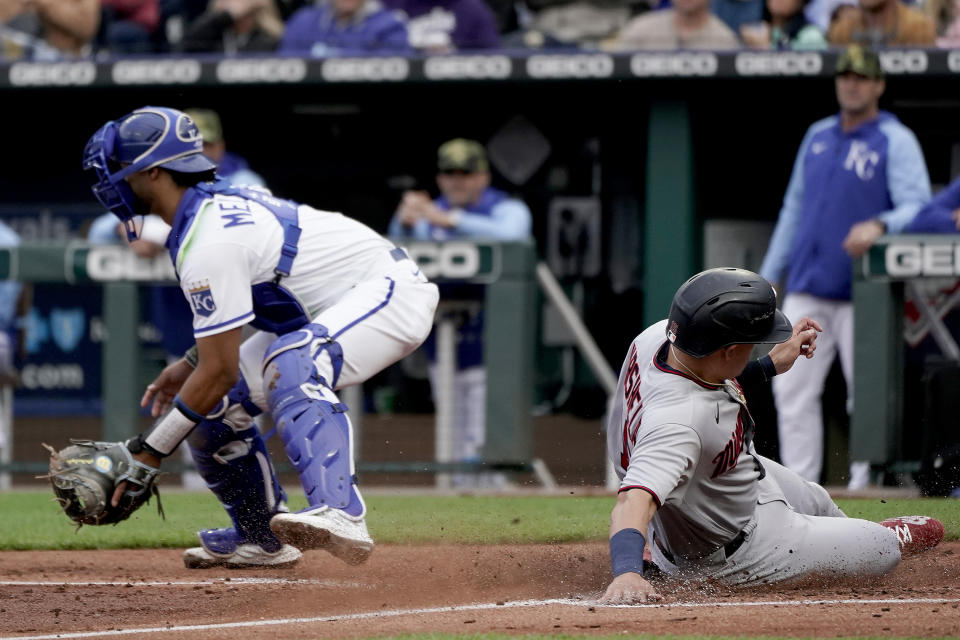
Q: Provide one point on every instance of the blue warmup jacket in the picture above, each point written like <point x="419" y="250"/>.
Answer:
<point x="495" y="216"/>
<point x="314" y="30"/>
<point x="841" y="178"/>
<point x="937" y="215"/>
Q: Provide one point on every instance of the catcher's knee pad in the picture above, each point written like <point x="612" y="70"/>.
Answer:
<point x="236" y="467"/>
<point x="313" y="423"/>
<point x="309" y="355"/>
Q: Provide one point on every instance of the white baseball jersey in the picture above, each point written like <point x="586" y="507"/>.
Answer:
<point x="686" y="443"/>
<point x="234" y="242"/>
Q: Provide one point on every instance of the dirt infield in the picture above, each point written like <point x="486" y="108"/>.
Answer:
<point x="449" y="588"/>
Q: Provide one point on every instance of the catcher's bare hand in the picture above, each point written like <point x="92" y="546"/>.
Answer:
<point x="803" y="343"/>
<point x="629" y="588"/>
<point x="143" y="457"/>
<point x="163" y="390"/>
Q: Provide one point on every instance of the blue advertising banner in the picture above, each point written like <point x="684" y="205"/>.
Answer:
<point x="63" y="334"/>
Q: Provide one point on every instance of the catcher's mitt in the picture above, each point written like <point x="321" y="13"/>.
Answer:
<point x="85" y="475"/>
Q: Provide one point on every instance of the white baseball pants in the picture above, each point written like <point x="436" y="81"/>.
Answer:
<point x="798" y="392"/>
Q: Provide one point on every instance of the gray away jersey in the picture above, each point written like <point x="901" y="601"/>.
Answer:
<point x="686" y="443"/>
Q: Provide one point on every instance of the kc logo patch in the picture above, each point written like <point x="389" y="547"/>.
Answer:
<point x="201" y="299"/>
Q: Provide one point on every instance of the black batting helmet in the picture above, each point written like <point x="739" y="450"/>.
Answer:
<point x="720" y="307"/>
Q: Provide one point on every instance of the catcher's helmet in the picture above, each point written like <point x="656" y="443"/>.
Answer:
<point x="721" y="307"/>
<point x="146" y="138"/>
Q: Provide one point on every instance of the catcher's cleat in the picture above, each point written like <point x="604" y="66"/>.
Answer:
<point x="343" y="535"/>
<point x="915" y="533"/>
<point x="225" y="548"/>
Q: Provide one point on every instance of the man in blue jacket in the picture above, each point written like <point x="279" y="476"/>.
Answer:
<point x="344" y="27"/>
<point x="468" y="208"/>
<point x="858" y="174"/>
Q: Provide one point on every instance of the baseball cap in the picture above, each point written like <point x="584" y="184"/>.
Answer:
<point x="861" y="61"/>
<point x="461" y="154"/>
<point x="208" y="122"/>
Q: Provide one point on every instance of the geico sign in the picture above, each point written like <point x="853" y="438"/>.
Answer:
<point x="52" y="376"/>
<point x="670" y="64"/>
<point x="262" y="70"/>
<point x="61" y="74"/>
<point x="778" y="64"/>
<point x="449" y="260"/>
<point x="914" y="260"/>
<point x="575" y="66"/>
<point x="903" y="61"/>
<point x="365" y="69"/>
<point x="953" y="61"/>
<point x="156" y="71"/>
<point x="467" y="67"/>
<point x="119" y="263"/>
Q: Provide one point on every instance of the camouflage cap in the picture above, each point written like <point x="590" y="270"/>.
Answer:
<point x="861" y="61"/>
<point x="208" y="122"/>
<point x="461" y="154"/>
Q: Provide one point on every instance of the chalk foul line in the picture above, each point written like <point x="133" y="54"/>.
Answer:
<point x="464" y="608"/>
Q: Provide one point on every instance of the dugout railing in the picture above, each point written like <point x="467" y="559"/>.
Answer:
<point x="892" y="272"/>
<point x="506" y="270"/>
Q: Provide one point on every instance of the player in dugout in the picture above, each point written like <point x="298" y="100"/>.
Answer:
<point x="680" y="437"/>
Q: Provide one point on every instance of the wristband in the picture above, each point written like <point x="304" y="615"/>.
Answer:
<point x="767" y="367"/>
<point x="172" y="428"/>
<point x="626" y="552"/>
<point x="192" y="356"/>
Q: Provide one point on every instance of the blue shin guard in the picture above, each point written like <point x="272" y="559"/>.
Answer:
<point x="236" y="467"/>
<point x="313" y="423"/>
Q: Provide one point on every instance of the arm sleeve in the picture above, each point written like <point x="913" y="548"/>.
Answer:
<point x="296" y="35"/>
<point x="907" y="178"/>
<point x="774" y="265"/>
<point x="759" y="370"/>
<point x="509" y="220"/>
<point x="937" y="215"/>
<point x="394" y="37"/>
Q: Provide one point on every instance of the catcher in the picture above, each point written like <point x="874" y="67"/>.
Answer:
<point x="333" y="303"/>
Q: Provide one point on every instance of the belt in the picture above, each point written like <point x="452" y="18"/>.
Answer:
<point x="728" y="549"/>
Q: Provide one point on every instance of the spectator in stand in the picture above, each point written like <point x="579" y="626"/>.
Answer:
<point x="784" y="27"/>
<point x="468" y="207"/>
<point x="235" y="26"/>
<point x="688" y="25"/>
<point x="48" y="29"/>
<point x="946" y="16"/>
<point x="822" y="13"/>
<point x="444" y="26"/>
<point x="128" y="26"/>
<point x="882" y="23"/>
<point x="344" y="27"/>
<point x="857" y="175"/>
<point x="568" y="23"/>
<point x="736" y="13"/>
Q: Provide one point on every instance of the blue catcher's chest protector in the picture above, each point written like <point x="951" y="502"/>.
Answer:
<point x="275" y="308"/>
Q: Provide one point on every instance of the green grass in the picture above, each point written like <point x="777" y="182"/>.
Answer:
<point x="32" y="520"/>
